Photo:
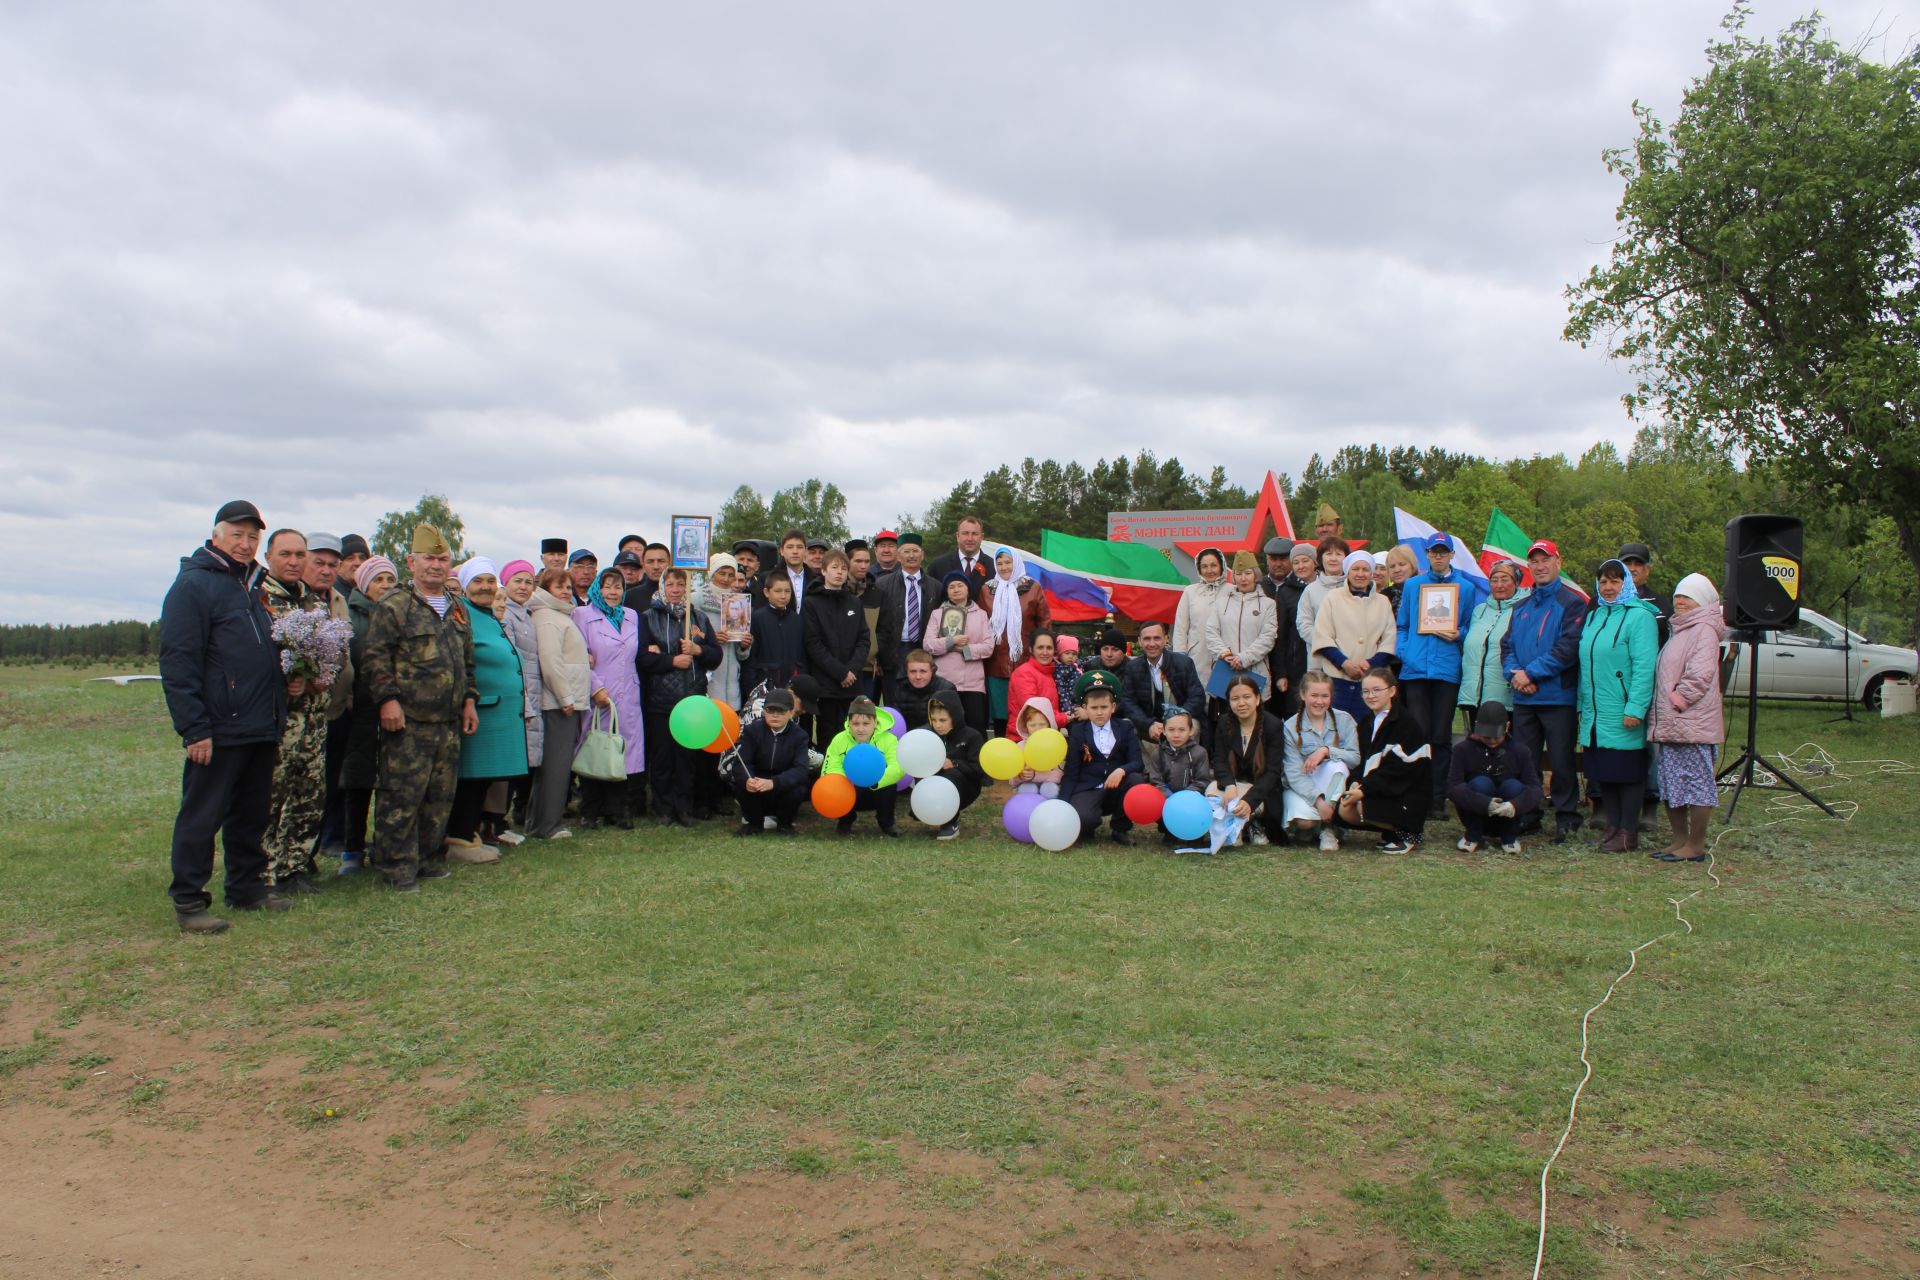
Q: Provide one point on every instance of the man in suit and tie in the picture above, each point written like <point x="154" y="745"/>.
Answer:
<point x="1156" y="682"/>
<point x="905" y="596"/>
<point x="966" y="558"/>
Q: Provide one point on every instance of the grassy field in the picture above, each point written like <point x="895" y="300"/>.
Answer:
<point x="1234" y="1051"/>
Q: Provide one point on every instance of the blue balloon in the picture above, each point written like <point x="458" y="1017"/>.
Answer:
<point x="865" y="764"/>
<point x="1187" y="815"/>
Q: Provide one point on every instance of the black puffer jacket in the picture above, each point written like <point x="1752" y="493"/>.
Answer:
<point x="219" y="667"/>
<point x="835" y="626"/>
<point x="662" y="627"/>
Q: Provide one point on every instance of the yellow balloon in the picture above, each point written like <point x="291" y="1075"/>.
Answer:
<point x="1000" y="758"/>
<point x="1045" y="750"/>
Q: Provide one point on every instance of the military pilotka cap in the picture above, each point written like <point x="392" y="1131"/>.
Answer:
<point x="428" y="542"/>
<point x="1086" y="684"/>
<point x="239" y="511"/>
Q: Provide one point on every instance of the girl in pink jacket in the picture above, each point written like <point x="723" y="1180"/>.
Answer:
<point x="959" y="635"/>
<point x="1686" y="718"/>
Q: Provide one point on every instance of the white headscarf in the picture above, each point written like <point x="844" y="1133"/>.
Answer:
<point x="474" y="568"/>
<point x="1698" y="588"/>
<point x="1006" y="621"/>
<point x="1358" y="557"/>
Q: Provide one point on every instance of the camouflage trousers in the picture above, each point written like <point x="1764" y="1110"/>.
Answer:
<point x="418" y="769"/>
<point x="299" y="795"/>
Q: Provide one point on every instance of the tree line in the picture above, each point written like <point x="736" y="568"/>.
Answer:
<point x="79" y="643"/>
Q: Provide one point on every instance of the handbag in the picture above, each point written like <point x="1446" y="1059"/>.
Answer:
<point x="603" y="752"/>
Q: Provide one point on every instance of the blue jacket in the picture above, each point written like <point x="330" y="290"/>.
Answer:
<point x="1087" y="766"/>
<point x="1183" y="689"/>
<point x="1544" y="640"/>
<point x="219" y="667"/>
<point x="1429" y="657"/>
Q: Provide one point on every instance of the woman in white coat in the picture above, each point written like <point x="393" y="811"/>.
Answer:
<point x="1197" y="603"/>
<point x="1245" y="624"/>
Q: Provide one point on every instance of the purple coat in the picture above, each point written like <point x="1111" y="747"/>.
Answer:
<point x="1689" y="665"/>
<point x="612" y="654"/>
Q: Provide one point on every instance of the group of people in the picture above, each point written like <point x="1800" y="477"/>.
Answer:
<point x="1308" y="699"/>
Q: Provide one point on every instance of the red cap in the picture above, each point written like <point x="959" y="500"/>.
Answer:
<point x="886" y="535"/>
<point x="1541" y="544"/>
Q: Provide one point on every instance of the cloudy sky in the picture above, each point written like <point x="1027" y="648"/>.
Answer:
<point x="580" y="266"/>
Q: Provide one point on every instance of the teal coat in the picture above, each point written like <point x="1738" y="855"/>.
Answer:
<point x="499" y="748"/>
<point x="1480" y="676"/>
<point x="1619" y="644"/>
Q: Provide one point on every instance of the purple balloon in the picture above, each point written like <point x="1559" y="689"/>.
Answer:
<point x="906" y="783"/>
<point x="1018" y="813"/>
<point x="899" y="721"/>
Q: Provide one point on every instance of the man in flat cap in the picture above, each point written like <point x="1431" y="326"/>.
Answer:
<point x="227" y="698"/>
<point x="420" y="677"/>
<point x="582" y="568"/>
<point x="299" y="774"/>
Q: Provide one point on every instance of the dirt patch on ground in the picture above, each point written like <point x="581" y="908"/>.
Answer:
<point x="144" y="1151"/>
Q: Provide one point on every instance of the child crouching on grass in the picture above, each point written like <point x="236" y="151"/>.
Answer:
<point x="1181" y="763"/>
<point x="862" y="721"/>
<point x="769" y="771"/>
<point x="962" y="765"/>
<point x="1322" y="749"/>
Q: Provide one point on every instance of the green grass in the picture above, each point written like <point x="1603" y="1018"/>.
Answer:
<point x="1404" y="1030"/>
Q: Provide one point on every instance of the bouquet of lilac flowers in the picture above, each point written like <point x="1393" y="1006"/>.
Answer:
<point x="313" y="646"/>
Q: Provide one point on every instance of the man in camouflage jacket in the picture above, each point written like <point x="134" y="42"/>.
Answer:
<point x="299" y="772"/>
<point x="419" y="673"/>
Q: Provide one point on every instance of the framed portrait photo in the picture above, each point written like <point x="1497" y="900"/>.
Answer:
<point x="1439" y="608"/>
<point x="692" y="540"/>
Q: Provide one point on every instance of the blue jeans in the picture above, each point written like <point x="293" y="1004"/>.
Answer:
<point x="1477" y="826"/>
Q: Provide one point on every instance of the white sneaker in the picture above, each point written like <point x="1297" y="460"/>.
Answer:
<point x="1329" y="842"/>
<point x="1510" y="846"/>
<point x="510" y="838"/>
<point x="1465" y="845"/>
<point x="1259" y="836"/>
<point x="561" y="834"/>
<point x="768" y="824"/>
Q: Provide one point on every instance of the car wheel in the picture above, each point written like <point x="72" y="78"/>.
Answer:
<point x="1870" y="695"/>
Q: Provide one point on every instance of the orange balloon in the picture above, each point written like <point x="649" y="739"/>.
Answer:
<point x="729" y="729"/>
<point x="833" y="796"/>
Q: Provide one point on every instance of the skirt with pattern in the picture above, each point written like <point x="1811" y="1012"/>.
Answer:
<point x="1686" y="774"/>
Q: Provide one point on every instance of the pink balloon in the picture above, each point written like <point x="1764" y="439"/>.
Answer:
<point x="1018" y="813"/>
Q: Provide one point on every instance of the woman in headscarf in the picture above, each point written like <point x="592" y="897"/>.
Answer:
<point x="498" y="748"/>
<point x="1017" y="609"/>
<point x="516" y="619"/>
<point x="360" y="771"/>
<point x="1333" y="559"/>
<point x="1244" y="625"/>
<point x="1480" y="676"/>
<point x="1353" y="634"/>
<point x="612" y="633"/>
<point x="566" y="687"/>
<point x="960" y="638"/>
<point x="1198" y="601"/>
<point x="1686" y="716"/>
<point x="1618" y="648"/>
<point x="676" y="653"/>
<point x="728" y="609"/>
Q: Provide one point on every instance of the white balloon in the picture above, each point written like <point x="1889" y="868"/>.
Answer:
<point x="921" y="753"/>
<point x="935" y="800"/>
<point x="1055" y="825"/>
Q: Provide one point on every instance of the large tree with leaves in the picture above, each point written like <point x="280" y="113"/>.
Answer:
<point x="1765" y="285"/>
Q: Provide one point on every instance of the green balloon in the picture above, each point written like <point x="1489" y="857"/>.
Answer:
<point x="695" y="722"/>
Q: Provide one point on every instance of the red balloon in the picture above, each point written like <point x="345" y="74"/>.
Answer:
<point x="1143" y="803"/>
<point x="833" y="796"/>
<point x="729" y="729"/>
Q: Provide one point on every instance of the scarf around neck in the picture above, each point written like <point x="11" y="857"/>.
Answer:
<point x="612" y="612"/>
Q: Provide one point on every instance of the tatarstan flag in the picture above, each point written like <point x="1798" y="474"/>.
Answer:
<point x="1505" y="540"/>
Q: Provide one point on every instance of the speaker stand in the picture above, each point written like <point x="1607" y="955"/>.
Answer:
<point x="1743" y="765"/>
<point x="1845" y="601"/>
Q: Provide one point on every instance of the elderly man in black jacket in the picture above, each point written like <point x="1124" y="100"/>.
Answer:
<point x="1287" y="662"/>
<point x="227" y="697"/>
<point x="1158" y="680"/>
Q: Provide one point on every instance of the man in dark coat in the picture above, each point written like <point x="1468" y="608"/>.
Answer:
<point x="905" y="597"/>
<point x="676" y="652"/>
<point x="967" y="558"/>
<point x="1156" y="681"/>
<point x="227" y="698"/>
<point x="420" y="677"/>
<point x="1103" y="759"/>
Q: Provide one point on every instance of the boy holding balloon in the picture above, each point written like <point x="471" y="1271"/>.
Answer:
<point x="770" y="770"/>
<point x="961" y="765"/>
<point x="1103" y="759"/>
<point x="867" y="759"/>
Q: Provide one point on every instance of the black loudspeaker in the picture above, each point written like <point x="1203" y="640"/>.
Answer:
<point x="1762" y="588"/>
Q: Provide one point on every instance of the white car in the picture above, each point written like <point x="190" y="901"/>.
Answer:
<point x="1810" y="660"/>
